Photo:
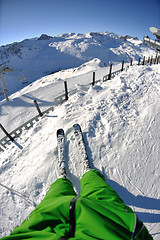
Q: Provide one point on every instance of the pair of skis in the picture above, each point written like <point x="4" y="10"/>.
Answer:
<point x="81" y="148"/>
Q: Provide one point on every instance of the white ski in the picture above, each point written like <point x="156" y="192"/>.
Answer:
<point x="81" y="146"/>
<point x="61" y="151"/>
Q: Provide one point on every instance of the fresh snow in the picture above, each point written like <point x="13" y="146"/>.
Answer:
<point x="120" y="121"/>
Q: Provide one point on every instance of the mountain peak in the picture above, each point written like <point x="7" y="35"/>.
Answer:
<point x="44" y="37"/>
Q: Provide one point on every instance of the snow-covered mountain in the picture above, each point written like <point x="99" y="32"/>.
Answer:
<point x="37" y="57"/>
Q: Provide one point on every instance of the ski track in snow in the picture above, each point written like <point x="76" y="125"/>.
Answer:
<point x="120" y="121"/>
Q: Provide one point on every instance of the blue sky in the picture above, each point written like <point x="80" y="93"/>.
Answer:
<point x="21" y="19"/>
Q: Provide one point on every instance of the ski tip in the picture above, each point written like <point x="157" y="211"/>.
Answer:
<point x="60" y="132"/>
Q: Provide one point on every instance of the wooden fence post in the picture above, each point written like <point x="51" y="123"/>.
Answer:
<point x="122" y="66"/>
<point x="7" y="134"/>
<point x="131" y="62"/>
<point x="38" y="109"/>
<point x="143" y="60"/>
<point x="151" y="61"/>
<point x="139" y="61"/>
<point x="110" y="72"/>
<point x="93" y="83"/>
<point x="66" y="89"/>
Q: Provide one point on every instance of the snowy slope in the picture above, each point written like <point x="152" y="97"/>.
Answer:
<point x="21" y="108"/>
<point x="120" y="120"/>
<point x="37" y="57"/>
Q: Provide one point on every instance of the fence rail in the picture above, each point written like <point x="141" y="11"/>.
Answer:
<point x="10" y="137"/>
<point x="113" y="74"/>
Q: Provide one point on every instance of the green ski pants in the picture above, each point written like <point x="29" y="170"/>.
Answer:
<point x="100" y="214"/>
<point x="93" y="186"/>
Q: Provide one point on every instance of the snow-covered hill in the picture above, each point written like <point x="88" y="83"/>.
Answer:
<point x="37" y="57"/>
<point x="120" y="120"/>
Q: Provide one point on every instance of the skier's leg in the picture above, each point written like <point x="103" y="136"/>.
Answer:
<point x="61" y="187"/>
<point x="54" y="208"/>
<point x="60" y="191"/>
<point x="94" y="186"/>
